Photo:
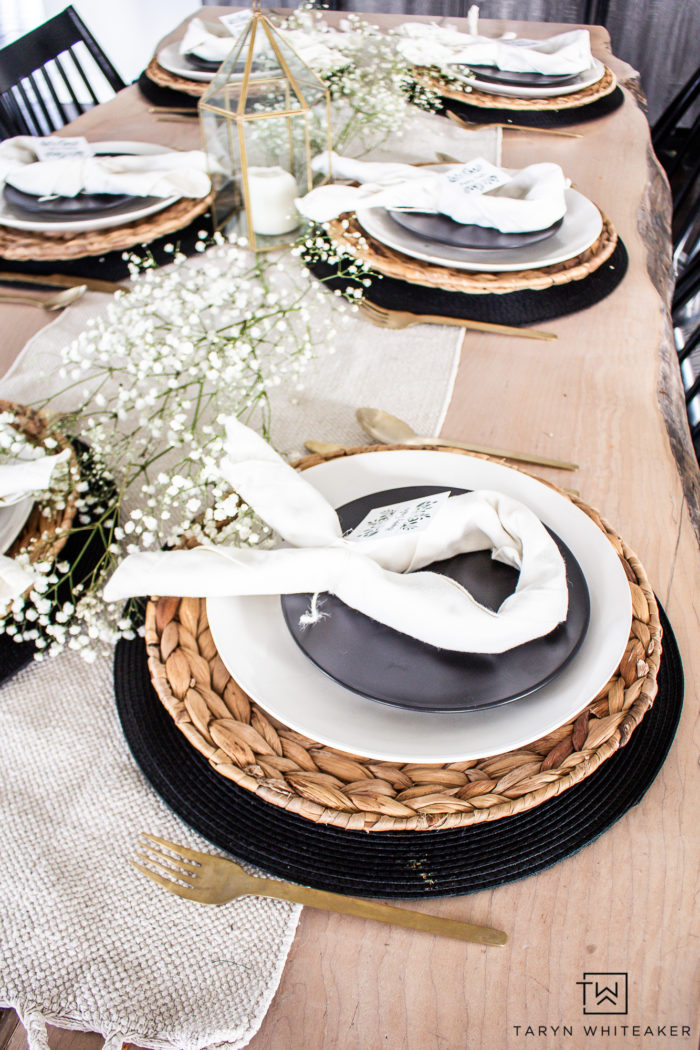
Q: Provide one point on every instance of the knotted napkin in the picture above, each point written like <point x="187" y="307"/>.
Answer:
<point x="19" y="480"/>
<point x="427" y="44"/>
<point x="214" y="42"/>
<point x="530" y="199"/>
<point x="376" y="576"/>
<point x="25" y="476"/>
<point x="167" y="174"/>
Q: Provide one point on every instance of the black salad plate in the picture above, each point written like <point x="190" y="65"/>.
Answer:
<point x="81" y="206"/>
<point x="444" y="230"/>
<point x="526" y="79"/>
<point x="383" y="664"/>
<point x="204" y="65"/>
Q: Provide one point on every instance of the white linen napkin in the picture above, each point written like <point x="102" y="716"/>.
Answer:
<point x="376" y="576"/>
<point x="211" y="41"/>
<point x="214" y="42"/>
<point x="22" y="477"/>
<point x="530" y="199"/>
<point x="19" y="480"/>
<point x="167" y="174"/>
<point x="14" y="580"/>
<point x="428" y="44"/>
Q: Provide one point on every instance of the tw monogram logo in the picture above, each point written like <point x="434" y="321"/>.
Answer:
<point x="604" y="993"/>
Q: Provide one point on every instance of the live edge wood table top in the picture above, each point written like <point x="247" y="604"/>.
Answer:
<point x="606" y="395"/>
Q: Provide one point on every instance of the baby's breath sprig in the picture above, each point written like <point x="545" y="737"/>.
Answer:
<point x="372" y="86"/>
<point x="152" y="381"/>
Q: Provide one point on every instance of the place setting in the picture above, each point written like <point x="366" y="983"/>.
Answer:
<point x="545" y="84"/>
<point x="53" y="504"/>
<point x="66" y="199"/>
<point x="481" y="719"/>
<point x="181" y="71"/>
<point x="443" y="238"/>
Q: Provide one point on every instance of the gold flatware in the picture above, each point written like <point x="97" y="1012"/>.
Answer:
<point x="61" y="280"/>
<point x="389" y="430"/>
<point x="473" y="126"/>
<point x="49" y="302"/>
<point x="216" y="880"/>
<point x="324" y="448"/>
<point x="174" y="118"/>
<point x="185" y="111"/>
<point x="384" y="318"/>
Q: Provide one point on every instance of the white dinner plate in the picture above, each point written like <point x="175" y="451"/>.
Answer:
<point x="171" y="60"/>
<point x="581" y="227"/>
<point x="590" y="76"/>
<point x="118" y="217"/>
<point x="12" y="521"/>
<point x="258" y="650"/>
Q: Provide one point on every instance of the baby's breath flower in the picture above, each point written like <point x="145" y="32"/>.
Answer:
<point x="188" y="346"/>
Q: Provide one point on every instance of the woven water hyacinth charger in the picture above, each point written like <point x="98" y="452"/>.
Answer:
<point x="351" y="239"/>
<point x="285" y="769"/>
<point x="26" y="245"/>
<point x="45" y="532"/>
<point x="488" y="100"/>
<point x="163" y="78"/>
<point x="525" y="297"/>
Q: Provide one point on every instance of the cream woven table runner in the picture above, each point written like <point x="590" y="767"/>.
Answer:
<point x="85" y="941"/>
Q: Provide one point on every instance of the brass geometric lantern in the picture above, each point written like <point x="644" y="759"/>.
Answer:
<point x="260" y="116"/>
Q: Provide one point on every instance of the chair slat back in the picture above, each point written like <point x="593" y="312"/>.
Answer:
<point x="46" y="79"/>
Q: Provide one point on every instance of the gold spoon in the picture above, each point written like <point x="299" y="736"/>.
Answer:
<point x="57" y="301"/>
<point x="389" y="430"/>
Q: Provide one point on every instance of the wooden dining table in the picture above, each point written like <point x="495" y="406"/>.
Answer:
<point x="606" y="394"/>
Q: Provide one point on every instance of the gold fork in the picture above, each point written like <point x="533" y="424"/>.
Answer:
<point x="216" y="880"/>
<point x="474" y="126"/>
<point x="384" y="318"/>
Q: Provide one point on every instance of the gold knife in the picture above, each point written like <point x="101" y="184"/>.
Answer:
<point x="62" y="280"/>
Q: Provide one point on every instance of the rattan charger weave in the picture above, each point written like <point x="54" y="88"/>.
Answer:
<point x="485" y="100"/>
<point x="348" y="235"/>
<point x="155" y="72"/>
<point x="24" y="245"/>
<point x="45" y="531"/>
<point x="285" y="768"/>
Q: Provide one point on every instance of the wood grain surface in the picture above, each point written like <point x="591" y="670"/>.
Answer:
<point x="607" y="395"/>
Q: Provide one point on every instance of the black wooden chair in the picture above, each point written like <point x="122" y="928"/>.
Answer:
<point x="685" y="314"/>
<point x="51" y="75"/>
<point x="676" y="141"/>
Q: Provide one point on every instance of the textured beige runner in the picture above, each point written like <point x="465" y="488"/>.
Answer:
<point x="85" y="941"/>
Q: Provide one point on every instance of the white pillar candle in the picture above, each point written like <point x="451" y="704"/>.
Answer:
<point x="271" y="195"/>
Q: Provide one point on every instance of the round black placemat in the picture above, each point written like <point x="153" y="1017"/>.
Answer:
<point x="538" y="118"/>
<point x="514" y="308"/>
<point x="444" y="230"/>
<point x="112" y="266"/>
<point x="385" y="665"/>
<point x="163" y="96"/>
<point x="399" y="864"/>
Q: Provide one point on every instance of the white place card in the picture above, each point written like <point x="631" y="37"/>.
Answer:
<point x="237" y="21"/>
<point x="55" y="147"/>
<point x="412" y="515"/>
<point x="478" y="176"/>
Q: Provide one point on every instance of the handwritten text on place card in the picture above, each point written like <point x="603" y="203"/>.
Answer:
<point x="56" y="148"/>
<point x="237" y="21"/>
<point x="478" y="176"/>
<point x="413" y="515"/>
